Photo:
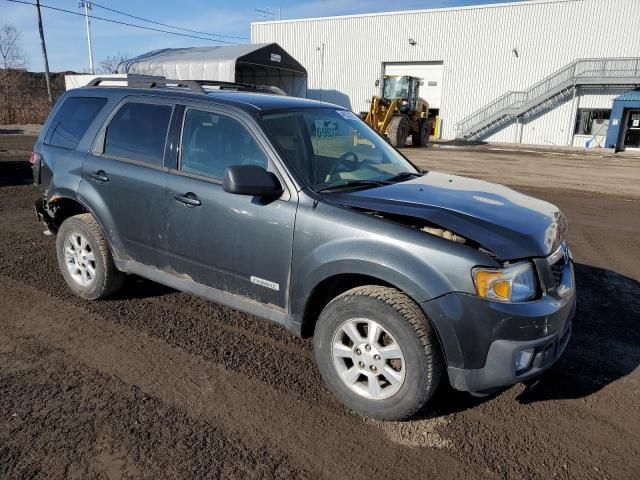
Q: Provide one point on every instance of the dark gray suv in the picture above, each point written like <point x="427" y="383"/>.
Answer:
<point x="295" y="211"/>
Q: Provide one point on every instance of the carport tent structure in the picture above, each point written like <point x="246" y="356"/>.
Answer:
<point x="258" y="64"/>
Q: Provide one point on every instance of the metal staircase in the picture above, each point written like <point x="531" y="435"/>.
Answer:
<point x="550" y="91"/>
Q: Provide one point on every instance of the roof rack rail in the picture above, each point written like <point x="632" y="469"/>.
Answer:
<point x="196" y="86"/>
<point x="147" y="81"/>
<point x="244" y="87"/>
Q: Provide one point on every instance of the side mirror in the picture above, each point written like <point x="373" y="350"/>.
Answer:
<point x="378" y="83"/>
<point x="251" y="180"/>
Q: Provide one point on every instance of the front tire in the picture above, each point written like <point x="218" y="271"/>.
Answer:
<point x="84" y="258"/>
<point x="377" y="352"/>
<point x="398" y="131"/>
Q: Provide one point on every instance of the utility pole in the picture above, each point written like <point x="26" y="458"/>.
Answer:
<point x="44" y="54"/>
<point x="87" y="7"/>
<point x="321" y="50"/>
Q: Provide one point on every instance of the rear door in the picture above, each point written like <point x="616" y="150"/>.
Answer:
<point x="124" y="179"/>
<point x="234" y="243"/>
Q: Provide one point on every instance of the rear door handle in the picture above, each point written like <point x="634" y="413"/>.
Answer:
<point x="99" y="176"/>
<point x="189" y="199"/>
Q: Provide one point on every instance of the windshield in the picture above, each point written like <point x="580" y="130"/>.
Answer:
<point x="331" y="148"/>
<point x="396" y="87"/>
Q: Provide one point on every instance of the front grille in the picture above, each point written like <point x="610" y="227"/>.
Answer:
<point x="556" y="272"/>
<point x="551" y="269"/>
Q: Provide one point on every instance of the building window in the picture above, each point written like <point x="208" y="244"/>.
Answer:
<point x="592" y="122"/>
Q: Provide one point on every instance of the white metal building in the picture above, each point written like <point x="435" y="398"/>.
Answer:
<point x="509" y="72"/>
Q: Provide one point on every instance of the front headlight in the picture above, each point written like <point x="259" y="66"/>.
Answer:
<point x="514" y="283"/>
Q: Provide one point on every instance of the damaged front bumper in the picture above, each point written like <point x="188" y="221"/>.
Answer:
<point x="502" y="362"/>
<point x="485" y="341"/>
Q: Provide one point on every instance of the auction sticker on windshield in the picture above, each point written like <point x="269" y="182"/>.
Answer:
<point x="325" y="128"/>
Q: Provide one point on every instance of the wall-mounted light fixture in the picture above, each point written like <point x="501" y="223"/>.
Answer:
<point x="412" y="42"/>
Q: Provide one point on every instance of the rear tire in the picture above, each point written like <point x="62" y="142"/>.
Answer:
<point x="388" y="375"/>
<point x="421" y="137"/>
<point x="398" y="131"/>
<point x="85" y="259"/>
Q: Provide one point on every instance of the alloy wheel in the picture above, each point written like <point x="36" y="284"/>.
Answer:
<point x="368" y="359"/>
<point x="79" y="259"/>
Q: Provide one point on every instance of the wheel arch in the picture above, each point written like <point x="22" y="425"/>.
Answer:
<point x="337" y="277"/>
<point x="328" y="289"/>
<point x="62" y="207"/>
<point x="58" y="207"/>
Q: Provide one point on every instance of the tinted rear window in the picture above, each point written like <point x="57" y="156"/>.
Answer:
<point x="138" y="132"/>
<point x="73" y="119"/>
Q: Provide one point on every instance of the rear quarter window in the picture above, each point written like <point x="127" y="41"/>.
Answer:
<point x="138" y="132"/>
<point x="72" y="121"/>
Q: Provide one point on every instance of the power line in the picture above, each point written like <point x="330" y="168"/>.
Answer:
<point x="165" y="24"/>
<point x="124" y="23"/>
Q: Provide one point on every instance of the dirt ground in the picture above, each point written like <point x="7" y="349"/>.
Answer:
<point x="154" y="383"/>
<point x="585" y="170"/>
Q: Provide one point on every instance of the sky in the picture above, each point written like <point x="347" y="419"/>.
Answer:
<point x="66" y="37"/>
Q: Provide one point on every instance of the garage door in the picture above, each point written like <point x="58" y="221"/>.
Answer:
<point x="430" y="72"/>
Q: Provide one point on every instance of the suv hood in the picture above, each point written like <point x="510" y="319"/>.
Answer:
<point x="508" y="223"/>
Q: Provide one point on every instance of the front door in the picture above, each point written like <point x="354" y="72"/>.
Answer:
<point x="632" y="134"/>
<point x="124" y="180"/>
<point x="234" y="243"/>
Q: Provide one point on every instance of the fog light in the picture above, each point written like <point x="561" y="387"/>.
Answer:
<point x="523" y="359"/>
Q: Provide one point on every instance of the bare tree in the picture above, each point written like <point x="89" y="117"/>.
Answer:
<point x="12" y="62"/>
<point x="110" y="64"/>
<point x="10" y="49"/>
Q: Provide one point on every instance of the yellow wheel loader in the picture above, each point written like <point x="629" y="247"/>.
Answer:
<point x="399" y="111"/>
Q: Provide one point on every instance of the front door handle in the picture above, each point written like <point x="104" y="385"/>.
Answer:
<point x="99" y="176"/>
<point x="189" y="199"/>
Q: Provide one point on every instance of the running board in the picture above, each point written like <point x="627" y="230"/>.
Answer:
<point x="243" y="304"/>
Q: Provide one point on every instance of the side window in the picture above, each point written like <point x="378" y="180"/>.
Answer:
<point x="592" y="122"/>
<point x="138" y="132"/>
<point x="213" y="142"/>
<point x="288" y="131"/>
<point x="72" y="121"/>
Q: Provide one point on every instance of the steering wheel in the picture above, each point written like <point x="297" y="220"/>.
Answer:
<point x="344" y="165"/>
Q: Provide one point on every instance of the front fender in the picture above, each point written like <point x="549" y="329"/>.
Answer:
<point x="331" y="240"/>
<point x="385" y="261"/>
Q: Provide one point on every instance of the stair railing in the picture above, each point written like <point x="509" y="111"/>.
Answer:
<point x="582" y="68"/>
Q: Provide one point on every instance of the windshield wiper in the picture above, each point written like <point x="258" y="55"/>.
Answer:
<point x="353" y="183"/>
<point x="403" y="176"/>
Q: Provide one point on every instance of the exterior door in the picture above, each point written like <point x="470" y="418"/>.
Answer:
<point x="234" y="243"/>
<point x="632" y="135"/>
<point x="431" y="73"/>
<point x="125" y="180"/>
